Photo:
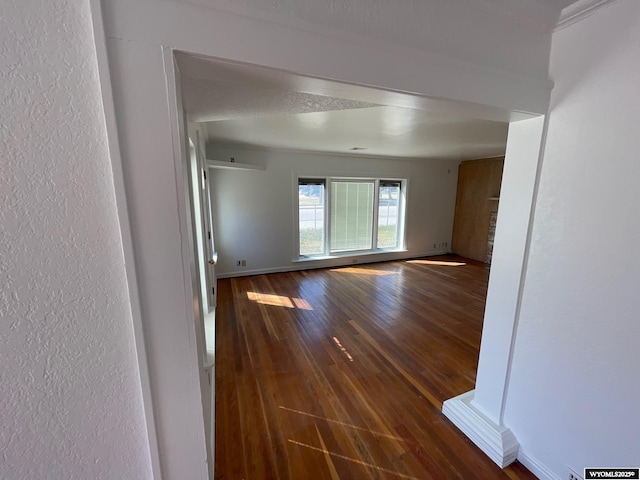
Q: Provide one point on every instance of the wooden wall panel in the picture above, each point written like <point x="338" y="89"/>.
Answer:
<point x="478" y="181"/>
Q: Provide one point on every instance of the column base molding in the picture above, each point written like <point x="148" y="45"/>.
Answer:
<point x="497" y="441"/>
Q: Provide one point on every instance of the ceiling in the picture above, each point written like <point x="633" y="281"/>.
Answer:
<point x="379" y="130"/>
<point x="264" y="108"/>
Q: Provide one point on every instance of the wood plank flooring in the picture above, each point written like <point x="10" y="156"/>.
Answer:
<point x="341" y="373"/>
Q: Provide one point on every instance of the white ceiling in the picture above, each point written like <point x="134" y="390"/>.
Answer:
<point x="268" y="109"/>
<point x="380" y="130"/>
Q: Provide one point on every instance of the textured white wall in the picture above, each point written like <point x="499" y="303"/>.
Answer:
<point x="70" y="398"/>
<point x="254" y="210"/>
<point x="574" y="394"/>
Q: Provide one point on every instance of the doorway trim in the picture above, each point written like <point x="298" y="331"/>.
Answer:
<point x="108" y="104"/>
<point x="283" y="57"/>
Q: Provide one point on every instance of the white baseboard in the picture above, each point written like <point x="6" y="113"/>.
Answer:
<point x="334" y="262"/>
<point x="263" y="271"/>
<point x="497" y="441"/>
<point x="536" y="467"/>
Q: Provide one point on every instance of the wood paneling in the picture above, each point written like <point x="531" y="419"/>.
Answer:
<point x="478" y="180"/>
<point x="341" y="373"/>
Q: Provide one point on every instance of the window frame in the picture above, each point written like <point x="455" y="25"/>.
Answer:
<point x="402" y="184"/>
<point x="327" y="181"/>
<point x="312" y="180"/>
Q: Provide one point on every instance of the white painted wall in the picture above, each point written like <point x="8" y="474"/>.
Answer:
<point x="574" y="390"/>
<point x="151" y="157"/>
<point x="497" y="78"/>
<point x="138" y="30"/>
<point x="70" y="395"/>
<point x="254" y="210"/>
<point x="505" y="280"/>
<point x="507" y="33"/>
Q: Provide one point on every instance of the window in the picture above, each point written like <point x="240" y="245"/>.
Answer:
<point x="388" y="213"/>
<point x="363" y="215"/>
<point x="351" y="215"/>
<point x="311" y="216"/>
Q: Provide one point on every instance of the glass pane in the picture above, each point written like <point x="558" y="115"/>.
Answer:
<point x="351" y="216"/>
<point x="388" y="216"/>
<point x="311" y="219"/>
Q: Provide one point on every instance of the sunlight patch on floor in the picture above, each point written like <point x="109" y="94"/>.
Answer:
<point x="301" y="304"/>
<point x="354" y="460"/>
<point x="342" y="349"/>
<point x="338" y="422"/>
<point x="279" y="300"/>
<point x="363" y="271"/>
<point x="437" y="262"/>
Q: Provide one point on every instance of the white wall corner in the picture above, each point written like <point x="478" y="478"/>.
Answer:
<point x="497" y="441"/>
<point x="536" y="467"/>
<point x="579" y="11"/>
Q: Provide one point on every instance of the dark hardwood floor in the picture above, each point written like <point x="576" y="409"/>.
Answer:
<point x="341" y="373"/>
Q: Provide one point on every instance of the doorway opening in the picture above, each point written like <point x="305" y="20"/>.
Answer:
<point x="235" y="127"/>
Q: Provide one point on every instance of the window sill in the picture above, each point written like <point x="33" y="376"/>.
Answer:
<point x="317" y="258"/>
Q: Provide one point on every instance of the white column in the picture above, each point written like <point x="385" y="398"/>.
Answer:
<point x="479" y="413"/>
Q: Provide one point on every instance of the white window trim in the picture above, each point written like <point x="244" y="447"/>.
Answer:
<point x="327" y="254"/>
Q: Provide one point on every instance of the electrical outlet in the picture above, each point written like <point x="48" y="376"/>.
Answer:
<point x="435" y="245"/>
<point x="573" y="475"/>
<point x="244" y="263"/>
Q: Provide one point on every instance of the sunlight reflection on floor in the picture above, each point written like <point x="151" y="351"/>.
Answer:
<point x="354" y="460"/>
<point x="363" y="271"/>
<point x="279" y="300"/>
<point x="342" y="349"/>
<point x="293" y="410"/>
<point x="437" y="262"/>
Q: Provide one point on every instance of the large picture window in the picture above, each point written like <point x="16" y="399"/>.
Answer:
<point x="362" y="215"/>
